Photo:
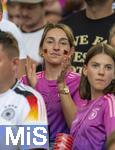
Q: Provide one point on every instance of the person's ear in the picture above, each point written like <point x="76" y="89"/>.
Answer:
<point x="15" y="63"/>
<point x="85" y="70"/>
<point x="1" y="15"/>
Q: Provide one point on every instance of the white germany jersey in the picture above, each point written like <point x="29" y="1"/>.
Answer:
<point x="21" y="105"/>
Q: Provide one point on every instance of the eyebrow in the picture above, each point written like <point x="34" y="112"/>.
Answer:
<point x="60" y="38"/>
<point x="99" y="63"/>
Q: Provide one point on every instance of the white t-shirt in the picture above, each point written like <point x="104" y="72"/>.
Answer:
<point x="8" y="26"/>
<point x="32" y="41"/>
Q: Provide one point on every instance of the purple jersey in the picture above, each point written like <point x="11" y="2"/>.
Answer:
<point x="49" y="91"/>
<point x="94" y="122"/>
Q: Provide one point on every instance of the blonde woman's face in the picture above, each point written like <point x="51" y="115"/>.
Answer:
<point x="56" y="46"/>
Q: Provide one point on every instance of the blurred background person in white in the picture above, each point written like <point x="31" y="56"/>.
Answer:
<point x="8" y="26"/>
<point x="32" y="16"/>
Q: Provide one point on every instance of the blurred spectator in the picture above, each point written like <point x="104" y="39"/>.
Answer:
<point x="52" y="17"/>
<point x="73" y="6"/>
<point x="32" y="26"/>
<point x="14" y="12"/>
<point x="90" y="27"/>
<point x="55" y="10"/>
<point x="53" y="6"/>
<point x="8" y="26"/>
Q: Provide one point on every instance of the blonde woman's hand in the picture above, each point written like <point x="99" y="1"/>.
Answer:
<point x="65" y="67"/>
<point x="31" y="72"/>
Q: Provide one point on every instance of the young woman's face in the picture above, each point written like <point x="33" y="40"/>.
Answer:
<point x="100" y="71"/>
<point x="56" y="46"/>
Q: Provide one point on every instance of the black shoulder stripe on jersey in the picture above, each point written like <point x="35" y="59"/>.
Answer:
<point x="24" y="93"/>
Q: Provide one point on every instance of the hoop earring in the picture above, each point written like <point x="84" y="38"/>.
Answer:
<point x="43" y="65"/>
